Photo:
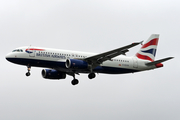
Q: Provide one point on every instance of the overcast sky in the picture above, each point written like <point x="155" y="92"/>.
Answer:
<point x="92" y="26"/>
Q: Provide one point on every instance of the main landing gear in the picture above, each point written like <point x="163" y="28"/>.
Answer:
<point x="74" y="81"/>
<point x="28" y="73"/>
<point x="91" y="75"/>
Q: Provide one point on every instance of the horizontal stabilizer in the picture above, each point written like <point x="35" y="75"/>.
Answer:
<point x="158" y="61"/>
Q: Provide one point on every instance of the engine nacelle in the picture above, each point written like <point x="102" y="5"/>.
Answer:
<point x="76" y="64"/>
<point x="53" y="74"/>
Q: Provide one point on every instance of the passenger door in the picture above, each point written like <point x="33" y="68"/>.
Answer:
<point x="31" y="52"/>
<point x="135" y="62"/>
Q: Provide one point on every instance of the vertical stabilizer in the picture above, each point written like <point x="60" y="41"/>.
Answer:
<point x="148" y="49"/>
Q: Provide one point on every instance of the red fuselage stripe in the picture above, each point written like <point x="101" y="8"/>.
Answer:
<point x="35" y="49"/>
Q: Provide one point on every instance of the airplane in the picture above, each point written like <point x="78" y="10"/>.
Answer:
<point x="65" y="62"/>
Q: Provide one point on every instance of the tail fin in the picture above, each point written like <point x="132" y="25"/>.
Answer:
<point x="148" y="50"/>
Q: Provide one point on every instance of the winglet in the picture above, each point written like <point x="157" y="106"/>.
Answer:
<point x="137" y="43"/>
<point x="141" y="42"/>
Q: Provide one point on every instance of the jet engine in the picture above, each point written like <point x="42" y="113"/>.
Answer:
<point x="53" y="74"/>
<point x="76" y="64"/>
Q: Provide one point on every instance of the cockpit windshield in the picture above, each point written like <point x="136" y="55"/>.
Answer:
<point x="18" y="50"/>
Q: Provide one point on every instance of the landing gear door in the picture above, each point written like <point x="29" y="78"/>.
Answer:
<point x="135" y="62"/>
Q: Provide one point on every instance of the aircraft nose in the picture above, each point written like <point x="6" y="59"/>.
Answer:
<point x="8" y="57"/>
<point x="11" y="57"/>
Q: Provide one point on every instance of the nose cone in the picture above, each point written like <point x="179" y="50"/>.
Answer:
<point x="9" y="57"/>
<point x="12" y="57"/>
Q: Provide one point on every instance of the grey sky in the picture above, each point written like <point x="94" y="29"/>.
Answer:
<point x="92" y="26"/>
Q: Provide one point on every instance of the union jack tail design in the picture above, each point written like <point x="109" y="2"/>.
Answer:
<point x="148" y="50"/>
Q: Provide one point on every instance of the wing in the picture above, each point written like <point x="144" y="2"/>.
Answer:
<point x="99" y="58"/>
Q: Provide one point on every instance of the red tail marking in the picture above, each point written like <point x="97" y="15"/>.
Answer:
<point x="152" y="42"/>
<point x="144" y="57"/>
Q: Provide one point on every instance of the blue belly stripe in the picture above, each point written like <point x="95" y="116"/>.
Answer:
<point x="55" y="64"/>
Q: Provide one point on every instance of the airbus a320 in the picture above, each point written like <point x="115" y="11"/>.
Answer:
<point x="60" y="63"/>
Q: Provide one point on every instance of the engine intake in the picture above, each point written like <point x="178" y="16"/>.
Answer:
<point x="52" y="74"/>
<point x="76" y="64"/>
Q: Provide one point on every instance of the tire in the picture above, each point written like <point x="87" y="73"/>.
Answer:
<point x="91" y="75"/>
<point x="74" y="82"/>
<point x="28" y="74"/>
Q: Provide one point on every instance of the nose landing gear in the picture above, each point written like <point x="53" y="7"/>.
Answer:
<point x="28" y="73"/>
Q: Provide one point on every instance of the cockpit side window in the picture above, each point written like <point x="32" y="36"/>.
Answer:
<point x="18" y="50"/>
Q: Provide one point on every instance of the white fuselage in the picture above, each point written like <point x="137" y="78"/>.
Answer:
<point x="55" y="58"/>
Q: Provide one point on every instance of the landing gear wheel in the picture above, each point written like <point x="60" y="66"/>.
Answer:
<point x="28" y="74"/>
<point x="74" y="82"/>
<point x="28" y="68"/>
<point x="91" y="75"/>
